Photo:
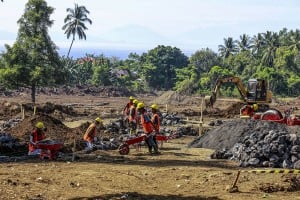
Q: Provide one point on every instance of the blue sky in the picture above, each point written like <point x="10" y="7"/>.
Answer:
<point x="143" y="24"/>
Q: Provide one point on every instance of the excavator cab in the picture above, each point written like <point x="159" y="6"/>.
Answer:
<point x="257" y="90"/>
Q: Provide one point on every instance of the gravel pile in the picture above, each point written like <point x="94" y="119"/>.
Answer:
<point x="254" y="143"/>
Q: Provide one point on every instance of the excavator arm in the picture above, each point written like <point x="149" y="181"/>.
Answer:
<point x="210" y="100"/>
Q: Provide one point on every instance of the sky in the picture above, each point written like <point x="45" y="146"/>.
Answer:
<point x="141" y="25"/>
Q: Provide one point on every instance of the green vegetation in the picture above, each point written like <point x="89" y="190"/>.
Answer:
<point x="75" y="23"/>
<point x="33" y="60"/>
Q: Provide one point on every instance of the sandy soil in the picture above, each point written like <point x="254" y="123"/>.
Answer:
<point x="178" y="173"/>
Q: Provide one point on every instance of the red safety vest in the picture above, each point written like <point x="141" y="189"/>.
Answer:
<point x="35" y="138"/>
<point x="156" y="122"/>
<point x="146" y="123"/>
<point x="90" y="133"/>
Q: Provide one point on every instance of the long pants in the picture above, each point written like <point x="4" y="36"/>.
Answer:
<point x="151" y="144"/>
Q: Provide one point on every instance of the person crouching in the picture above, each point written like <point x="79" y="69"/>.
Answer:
<point x="90" y="133"/>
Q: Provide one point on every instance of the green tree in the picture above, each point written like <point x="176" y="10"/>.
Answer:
<point x="244" y="44"/>
<point x="271" y="45"/>
<point x="229" y="47"/>
<point x="164" y="60"/>
<point x="75" y="23"/>
<point x="33" y="59"/>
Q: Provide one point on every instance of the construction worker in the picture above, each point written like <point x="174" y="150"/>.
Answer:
<point x="133" y="117"/>
<point x="36" y="135"/>
<point x="155" y="120"/>
<point x="147" y="128"/>
<point x="249" y="110"/>
<point x="128" y="105"/>
<point x="90" y="133"/>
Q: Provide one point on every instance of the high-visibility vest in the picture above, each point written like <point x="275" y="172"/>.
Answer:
<point x="36" y="136"/>
<point x="156" y="121"/>
<point x="132" y="113"/>
<point x="90" y="133"/>
<point x="146" y="123"/>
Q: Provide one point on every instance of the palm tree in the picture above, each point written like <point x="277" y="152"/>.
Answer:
<point x="245" y="43"/>
<point x="271" y="45"/>
<point x="257" y="44"/>
<point x="75" y="23"/>
<point x="229" y="47"/>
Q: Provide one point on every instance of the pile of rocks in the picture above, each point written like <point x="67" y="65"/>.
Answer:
<point x="10" y="145"/>
<point x="254" y="143"/>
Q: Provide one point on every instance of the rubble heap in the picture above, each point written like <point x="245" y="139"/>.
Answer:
<point x="254" y="143"/>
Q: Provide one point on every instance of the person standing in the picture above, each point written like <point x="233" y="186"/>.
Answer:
<point x="36" y="135"/>
<point x="147" y="128"/>
<point x="155" y="119"/>
<point x="128" y="105"/>
<point x="90" y="133"/>
<point x="133" y="117"/>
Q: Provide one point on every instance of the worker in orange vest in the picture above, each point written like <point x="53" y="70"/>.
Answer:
<point x="148" y="128"/>
<point x="133" y="117"/>
<point x="90" y="133"/>
<point x="36" y="135"/>
<point x="128" y="105"/>
<point x="155" y="120"/>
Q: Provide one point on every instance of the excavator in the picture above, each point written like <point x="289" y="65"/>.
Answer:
<point x="255" y="96"/>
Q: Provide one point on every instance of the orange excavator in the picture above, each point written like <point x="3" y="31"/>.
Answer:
<point x="256" y="95"/>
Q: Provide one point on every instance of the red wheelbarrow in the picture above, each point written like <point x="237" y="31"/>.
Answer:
<point x="49" y="149"/>
<point x="124" y="147"/>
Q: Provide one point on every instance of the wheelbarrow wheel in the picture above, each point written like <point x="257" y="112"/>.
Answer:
<point x="124" y="149"/>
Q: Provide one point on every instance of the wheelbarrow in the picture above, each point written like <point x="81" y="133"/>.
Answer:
<point x="49" y="149"/>
<point x="124" y="147"/>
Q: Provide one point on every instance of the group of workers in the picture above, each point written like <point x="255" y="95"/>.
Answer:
<point x="134" y="111"/>
<point x="137" y="114"/>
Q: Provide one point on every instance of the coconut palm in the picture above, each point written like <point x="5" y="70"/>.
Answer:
<point x="75" y="23"/>
<point x="271" y="45"/>
<point x="245" y="43"/>
<point x="257" y="44"/>
<point x="229" y="47"/>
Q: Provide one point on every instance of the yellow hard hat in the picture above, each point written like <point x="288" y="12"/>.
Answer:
<point x="255" y="107"/>
<point x="140" y="105"/>
<point x="40" y="125"/>
<point x="135" y="101"/>
<point x="154" y="106"/>
<point x="98" y="119"/>
<point x="131" y="98"/>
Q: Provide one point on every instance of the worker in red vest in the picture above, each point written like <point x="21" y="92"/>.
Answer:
<point x="36" y="135"/>
<point x="90" y="133"/>
<point x="148" y="129"/>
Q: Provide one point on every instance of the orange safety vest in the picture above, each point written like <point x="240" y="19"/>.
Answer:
<point x="36" y="137"/>
<point x="156" y="122"/>
<point x="90" y="133"/>
<point x="132" y="113"/>
<point x="127" y="108"/>
<point x="146" y="123"/>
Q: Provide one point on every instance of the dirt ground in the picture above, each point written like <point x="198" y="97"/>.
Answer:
<point x="178" y="172"/>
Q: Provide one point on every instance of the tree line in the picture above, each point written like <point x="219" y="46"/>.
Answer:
<point x="32" y="61"/>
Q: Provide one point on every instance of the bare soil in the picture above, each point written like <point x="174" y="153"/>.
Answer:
<point x="179" y="172"/>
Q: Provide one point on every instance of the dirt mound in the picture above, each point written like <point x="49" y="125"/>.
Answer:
<point x="56" y="130"/>
<point x="230" y="111"/>
<point x="172" y="97"/>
